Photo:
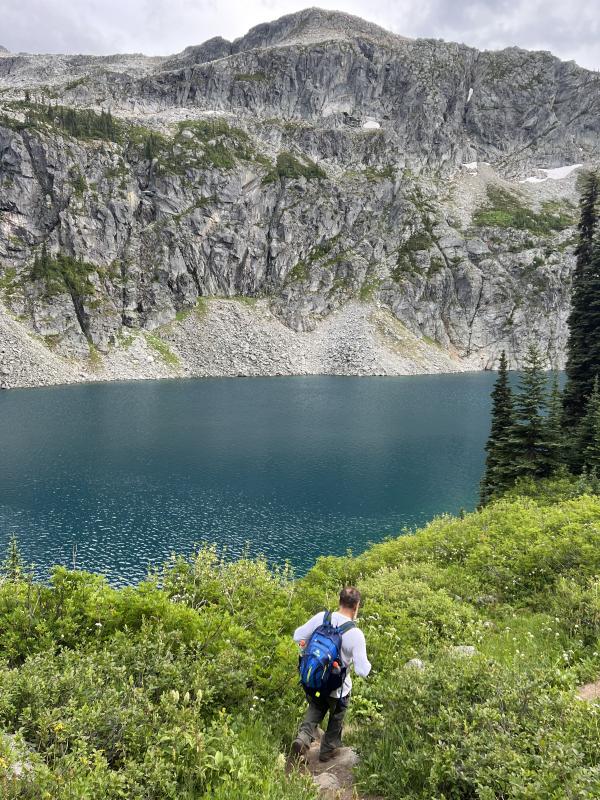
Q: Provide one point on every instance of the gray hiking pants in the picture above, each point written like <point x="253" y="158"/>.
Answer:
<point x="315" y="714"/>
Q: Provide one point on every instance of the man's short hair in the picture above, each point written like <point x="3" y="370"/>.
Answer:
<point x="349" y="597"/>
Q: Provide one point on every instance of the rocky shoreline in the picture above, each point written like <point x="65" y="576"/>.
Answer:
<point x="234" y="337"/>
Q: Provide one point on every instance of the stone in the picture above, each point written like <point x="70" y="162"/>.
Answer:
<point x="486" y="599"/>
<point x="21" y="765"/>
<point x="466" y="650"/>
<point x="346" y="757"/>
<point x="415" y="663"/>
<point x="326" y="781"/>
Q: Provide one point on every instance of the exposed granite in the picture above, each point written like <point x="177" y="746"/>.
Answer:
<point x="384" y="214"/>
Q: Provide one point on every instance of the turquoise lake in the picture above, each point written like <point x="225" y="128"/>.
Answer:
<point x="292" y="468"/>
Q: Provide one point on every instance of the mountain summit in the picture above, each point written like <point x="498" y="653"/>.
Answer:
<point x="303" y="28"/>
<point x="310" y="26"/>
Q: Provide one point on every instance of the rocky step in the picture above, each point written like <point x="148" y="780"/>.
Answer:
<point x="332" y="777"/>
<point x="589" y="691"/>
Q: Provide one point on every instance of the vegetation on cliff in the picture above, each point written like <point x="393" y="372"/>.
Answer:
<point x="62" y="273"/>
<point x="185" y="685"/>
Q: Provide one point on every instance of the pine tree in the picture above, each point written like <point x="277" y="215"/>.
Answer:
<point x="497" y="476"/>
<point x="151" y="147"/>
<point x="555" y="439"/>
<point x="13" y="567"/>
<point x="588" y="434"/>
<point x="44" y="259"/>
<point x="528" y="438"/>
<point x="583" y="347"/>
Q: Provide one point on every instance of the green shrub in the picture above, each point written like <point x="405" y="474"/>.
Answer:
<point x="8" y="282"/>
<point x="515" y="548"/>
<point x="577" y="605"/>
<point x="62" y="273"/>
<point x="78" y="182"/>
<point x="185" y="686"/>
<point x="149" y="692"/>
<point x="196" y="145"/>
<point x="368" y="289"/>
<point x="406" y="262"/>
<point x="387" y="173"/>
<point x="288" y="166"/>
<point x="505" y="209"/>
<point x="469" y="728"/>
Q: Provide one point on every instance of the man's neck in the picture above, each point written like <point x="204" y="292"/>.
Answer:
<point x="346" y="612"/>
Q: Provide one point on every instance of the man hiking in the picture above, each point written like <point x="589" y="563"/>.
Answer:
<point x="331" y="645"/>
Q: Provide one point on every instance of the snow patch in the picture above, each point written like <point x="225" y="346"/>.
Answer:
<point x="470" y="95"/>
<point x="371" y="125"/>
<point x="558" y="173"/>
<point x="554" y="174"/>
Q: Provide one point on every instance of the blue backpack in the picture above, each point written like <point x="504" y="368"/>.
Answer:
<point x="316" y="665"/>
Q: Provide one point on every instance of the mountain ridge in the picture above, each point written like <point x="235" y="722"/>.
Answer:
<point x="429" y="180"/>
<point x="313" y="16"/>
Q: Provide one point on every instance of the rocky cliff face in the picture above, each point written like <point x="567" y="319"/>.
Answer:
<point x="316" y="163"/>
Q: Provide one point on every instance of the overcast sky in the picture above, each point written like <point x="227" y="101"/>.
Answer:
<point x="569" y="28"/>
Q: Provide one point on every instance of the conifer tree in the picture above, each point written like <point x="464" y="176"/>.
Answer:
<point x="555" y="440"/>
<point x="497" y="476"/>
<point x="151" y="147"/>
<point x="588" y="439"/>
<point x="528" y="438"/>
<point x="41" y="263"/>
<point x="583" y="347"/>
<point x="13" y="567"/>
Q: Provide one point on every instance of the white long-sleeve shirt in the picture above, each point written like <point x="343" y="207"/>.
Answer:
<point x="354" y="647"/>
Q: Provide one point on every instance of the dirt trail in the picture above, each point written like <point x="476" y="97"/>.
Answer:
<point x="334" y="778"/>
<point x="589" y="691"/>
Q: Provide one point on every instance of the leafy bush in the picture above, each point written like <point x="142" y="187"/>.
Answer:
<point x="185" y="686"/>
<point x="516" y="548"/>
<point x="196" y="145"/>
<point x="469" y="728"/>
<point x="149" y="692"/>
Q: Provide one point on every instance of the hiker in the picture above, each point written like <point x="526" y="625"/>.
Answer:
<point x="332" y="644"/>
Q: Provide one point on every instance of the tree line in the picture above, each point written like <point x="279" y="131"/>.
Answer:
<point x="536" y="432"/>
<point x="80" y="123"/>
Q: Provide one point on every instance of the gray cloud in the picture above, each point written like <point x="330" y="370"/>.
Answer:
<point x="571" y="30"/>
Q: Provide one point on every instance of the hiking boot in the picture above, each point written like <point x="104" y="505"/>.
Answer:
<point x="298" y="750"/>
<point x="328" y="755"/>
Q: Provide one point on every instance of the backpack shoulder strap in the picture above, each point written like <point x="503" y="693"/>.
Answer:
<point x="346" y="626"/>
<point x="327" y="618"/>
